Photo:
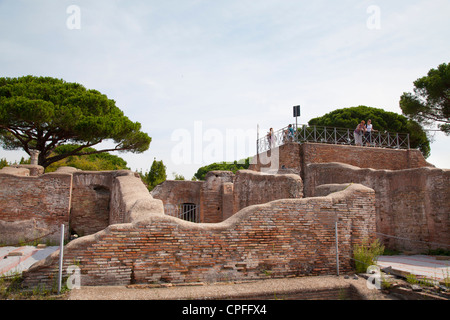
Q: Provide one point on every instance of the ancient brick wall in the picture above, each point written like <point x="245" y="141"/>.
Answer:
<point x="176" y="193"/>
<point x="277" y="239"/>
<point x="298" y="156"/>
<point x="211" y="196"/>
<point x="411" y="203"/>
<point x="362" y="157"/>
<point x="286" y="156"/>
<point x="131" y="201"/>
<point x="223" y="193"/>
<point x="252" y="188"/>
<point x="32" y="207"/>
<point x="91" y="196"/>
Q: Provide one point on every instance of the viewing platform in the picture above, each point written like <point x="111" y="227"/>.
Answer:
<point x="330" y="135"/>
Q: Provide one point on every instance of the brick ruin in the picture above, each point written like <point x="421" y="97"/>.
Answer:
<point x="275" y="220"/>
<point x="410" y="204"/>
<point x="412" y="196"/>
<point x="34" y="205"/>
<point x="223" y="193"/>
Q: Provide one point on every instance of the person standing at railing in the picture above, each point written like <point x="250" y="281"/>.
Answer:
<point x="270" y="138"/>
<point x="368" y="133"/>
<point x="290" y="133"/>
<point x="359" y="132"/>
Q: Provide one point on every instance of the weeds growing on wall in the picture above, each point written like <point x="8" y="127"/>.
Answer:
<point x="366" y="254"/>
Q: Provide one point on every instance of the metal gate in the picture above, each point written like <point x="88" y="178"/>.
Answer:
<point x="185" y="211"/>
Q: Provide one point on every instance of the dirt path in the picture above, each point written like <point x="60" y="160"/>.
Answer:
<point x="274" y="288"/>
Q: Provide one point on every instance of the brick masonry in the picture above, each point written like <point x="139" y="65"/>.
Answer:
<point x="411" y="203"/>
<point x="290" y="237"/>
<point x="35" y="206"/>
<point x="32" y="207"/>
<point x="223" y="193"/>
<point x="258" y="239"/>
<point x="252" y="188"/>
<point x="299" y="156"/>
<point x="91" y="196"/>
<point x="211" y="196"/>
<point x="175" y="193"/>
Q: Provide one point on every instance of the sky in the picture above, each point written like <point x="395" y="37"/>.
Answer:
<point x="201" y="76"/>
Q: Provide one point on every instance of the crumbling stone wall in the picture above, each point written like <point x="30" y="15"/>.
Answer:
<point x="278" y="239"/>
<point x="362" y="157"/>
<point x="175" y="193"/>
<point x="411" y="204"/>
<point x="32" y="207"/>
<point x="131" y="200"/>
<point x="299" y="156"/>
<point x="211" y="196"/>
<point x="223" y="193"/>
<point x="85" y="202"/>
<point x="91" y="196"/>
<point x="287" y="156"/>
<point x="289" y="236"/>
<point x="252" y="187"/>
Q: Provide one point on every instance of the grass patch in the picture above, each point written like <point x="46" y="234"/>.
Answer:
<point x="439" y="252"/>
<point x="11" y="289"/>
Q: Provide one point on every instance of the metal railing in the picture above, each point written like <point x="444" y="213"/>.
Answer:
<point x="186" y="211"/>
<point x="330" y="135"/>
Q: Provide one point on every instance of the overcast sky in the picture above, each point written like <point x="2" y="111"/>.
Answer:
<point x="200" y="75"/>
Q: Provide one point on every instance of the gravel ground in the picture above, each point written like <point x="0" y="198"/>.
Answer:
<point x="272" y="287"/>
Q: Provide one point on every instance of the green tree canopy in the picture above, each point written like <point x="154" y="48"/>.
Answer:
<point x="156" y="175"/>
<point x="430" y="103"/>
<point x="92" y="162"/>
<point x="44" y="113"/>
<point x="178" y="177"/>
<point x="382" y="121"/>
<point x="3" y="163"/>
<point x="222" y="166"/>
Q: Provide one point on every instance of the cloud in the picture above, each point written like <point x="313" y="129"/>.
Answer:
<point x="230" y="64"/>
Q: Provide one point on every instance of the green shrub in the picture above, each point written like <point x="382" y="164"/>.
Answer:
<point x="366" y="254"/>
